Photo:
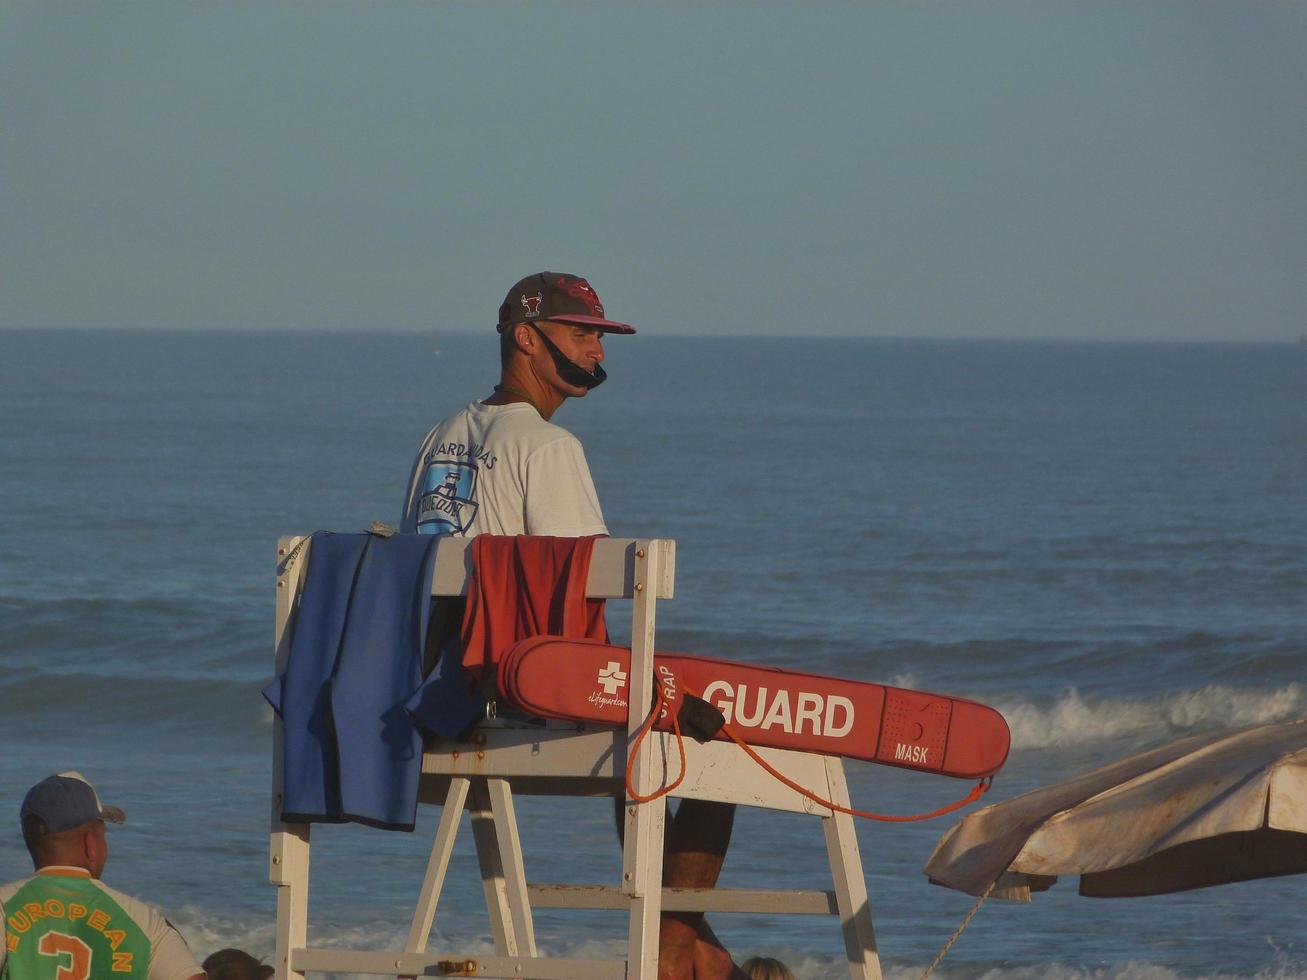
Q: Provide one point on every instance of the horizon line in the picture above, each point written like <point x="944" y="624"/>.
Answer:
<point x="472" y="332"/>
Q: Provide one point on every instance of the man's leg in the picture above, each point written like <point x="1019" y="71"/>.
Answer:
<point x="696" y="842"/>
<point x="694" y="849"/>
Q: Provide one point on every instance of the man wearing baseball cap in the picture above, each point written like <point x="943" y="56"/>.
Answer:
<point x="500" y="466"/>
<point x="63" y="922"/>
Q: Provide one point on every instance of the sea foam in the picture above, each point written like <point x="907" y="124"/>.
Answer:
<point x="1076" y="719"/>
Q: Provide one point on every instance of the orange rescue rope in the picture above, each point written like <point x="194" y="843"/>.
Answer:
<point x="976" y="791"/>
<point x="635" y="749"/>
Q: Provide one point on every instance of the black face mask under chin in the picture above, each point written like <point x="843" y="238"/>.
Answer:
<point x="569" y="371"/>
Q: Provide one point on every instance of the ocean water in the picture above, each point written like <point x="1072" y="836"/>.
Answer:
<point x="1107" y="542"/>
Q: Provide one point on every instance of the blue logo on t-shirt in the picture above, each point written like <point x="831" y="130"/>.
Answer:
<point x="446" y="506"/>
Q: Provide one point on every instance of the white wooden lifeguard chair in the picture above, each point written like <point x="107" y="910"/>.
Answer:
<point x="483" y="776"/>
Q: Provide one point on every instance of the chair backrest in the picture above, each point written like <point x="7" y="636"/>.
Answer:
<point x="613" y="567"/>
<point x="640" y="569"/>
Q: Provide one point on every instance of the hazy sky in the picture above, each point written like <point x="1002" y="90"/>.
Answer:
<point x="918" y="169"/>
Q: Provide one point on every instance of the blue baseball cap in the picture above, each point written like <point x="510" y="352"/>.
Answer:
<point x="65" y="801"/>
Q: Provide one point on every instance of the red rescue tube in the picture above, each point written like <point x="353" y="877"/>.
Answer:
<point x="586" y="681"/>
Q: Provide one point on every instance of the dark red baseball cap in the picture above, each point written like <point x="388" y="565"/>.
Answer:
<point x="556" y="296"/>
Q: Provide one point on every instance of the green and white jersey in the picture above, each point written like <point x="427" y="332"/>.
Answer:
<point x="62" y="924"/>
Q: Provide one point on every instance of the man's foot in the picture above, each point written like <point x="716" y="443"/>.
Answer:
<point x="711" y="960"/>
<point x="678" y="937"/>
<point x="687" y="951"/>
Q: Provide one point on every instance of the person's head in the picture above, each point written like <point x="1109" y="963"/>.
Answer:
<point x="766" y="968"/>
<point x="235" y="964"/>
<point x="551" y="328"/>
<point x="63" y="823"/>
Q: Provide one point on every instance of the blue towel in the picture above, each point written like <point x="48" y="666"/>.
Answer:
<point x="379" y="667"/>
<point x="350" y="750"/>
<point x="302" y="695"/>
<point x="443" y="705"/>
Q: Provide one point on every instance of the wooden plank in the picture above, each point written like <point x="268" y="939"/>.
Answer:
<point x="288" y="844"/>
<point x="722" y="771"/>
<point x="850" y="884"/>
<point x="510" y="859"/>
<point x="434" y="787"/>
<point x="530" y="751"/>
<point x="493" y="881"/>
<point x="287" y="851"/>
<point x="715" y="771"/>
<point x="292" y="927"/>
<point x="612" y="567"/>
<point x="689" y="899"/>
<point x="442" y="846"/>
<point x="642" y="854"/>
<point x="399" y="964"/>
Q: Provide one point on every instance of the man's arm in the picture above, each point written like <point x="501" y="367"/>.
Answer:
<point x="560" y="496"/>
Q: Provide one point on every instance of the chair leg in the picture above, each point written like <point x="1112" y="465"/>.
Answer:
<point x="494" y="879"/>
<point x="290" y="861"/>
<point x="437" y="865"/>
<point x="642" y="880"/>
<point x="850" y="885"/>
<point x="510" y="859"/>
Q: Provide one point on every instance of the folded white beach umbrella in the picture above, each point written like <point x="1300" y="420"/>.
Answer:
<point x="1205" y="810"/>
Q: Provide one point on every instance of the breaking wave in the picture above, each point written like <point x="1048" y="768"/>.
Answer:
<point x="1076" y="719"/>
<point x="1118" y="971"/>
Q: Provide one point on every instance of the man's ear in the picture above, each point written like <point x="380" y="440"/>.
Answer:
<point x="525" y="338"/>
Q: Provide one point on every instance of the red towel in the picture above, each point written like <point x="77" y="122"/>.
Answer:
<point x="522" y="587"/>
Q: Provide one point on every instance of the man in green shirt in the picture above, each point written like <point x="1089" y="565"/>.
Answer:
<point x="62" y="923"/>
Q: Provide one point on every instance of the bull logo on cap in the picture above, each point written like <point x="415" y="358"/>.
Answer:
<point x="532" y="303"/>
<point x="582" y="290"/>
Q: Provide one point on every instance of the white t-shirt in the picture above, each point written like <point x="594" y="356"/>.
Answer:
<point x="501" y="469"/>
